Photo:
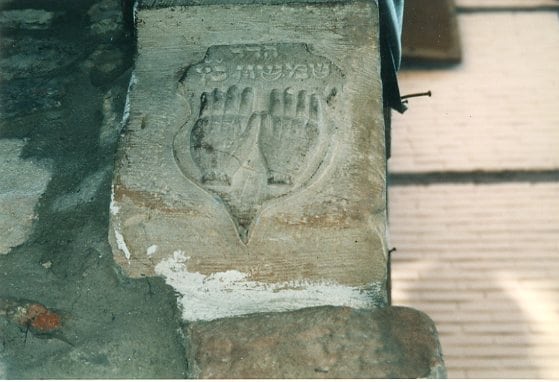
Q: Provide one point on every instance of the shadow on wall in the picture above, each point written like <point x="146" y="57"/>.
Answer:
<point x="491" y="324"/>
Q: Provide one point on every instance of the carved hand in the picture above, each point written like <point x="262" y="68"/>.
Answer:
<point x="289" y="134"/>
<point x="220" y="138"/>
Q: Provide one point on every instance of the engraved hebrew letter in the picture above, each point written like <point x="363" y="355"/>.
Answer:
<point x="272" y="72"/>
<point x="269" y="52"/>
<point x="297" y="71"/>
<point x="320" y="70"/>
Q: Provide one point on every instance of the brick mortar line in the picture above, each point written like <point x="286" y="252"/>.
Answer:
<point x="464" y="9"/>
<point x="475" y="177"/>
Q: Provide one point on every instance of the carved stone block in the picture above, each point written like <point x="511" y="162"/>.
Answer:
<point x="251" y="171"/>
<point x="321" y="342"/>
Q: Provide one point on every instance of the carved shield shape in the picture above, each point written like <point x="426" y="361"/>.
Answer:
<point x="260" y="127"/>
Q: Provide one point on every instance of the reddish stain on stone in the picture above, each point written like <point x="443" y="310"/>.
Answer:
<point x="46" y="322"/>
<point x="39" y="318"/>
<point x="34" y="310"/>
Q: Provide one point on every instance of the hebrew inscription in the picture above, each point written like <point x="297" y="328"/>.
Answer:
<point x="260" y="125"/>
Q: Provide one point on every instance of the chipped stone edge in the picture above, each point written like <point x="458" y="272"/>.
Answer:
<point x="114" y="228"/>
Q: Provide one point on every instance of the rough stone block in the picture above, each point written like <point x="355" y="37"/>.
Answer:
<point x="23" y="182"/>
<point x="251" y="173"/>
<point x="320" y="342"/>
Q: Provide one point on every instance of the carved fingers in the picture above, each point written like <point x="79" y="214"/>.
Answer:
<point x="295" y="105"/>
<point x="233" y="102"/>
<point x="315" y="109"/>
<point x="290" y="133"/>
<point x="228" y="128"/>
<point x="302" y="104"/>
<point x="217" y="134"/>
<point x="247" y="102"/>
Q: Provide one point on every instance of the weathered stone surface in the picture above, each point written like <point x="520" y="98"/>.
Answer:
<point x="34" y="66"/>
<point x="22" y="184"/>
<point x="321" y="342"/>
<point x="106" y="19"/>
<point x="30" y="95"/>
<point x="26" y="57"/>
<point x="252" y="172"/>
<point x="84" y="193"/>
<point x="106" y="65"/>
<point x="26" y="18"/>
<point x="112" y="327"/>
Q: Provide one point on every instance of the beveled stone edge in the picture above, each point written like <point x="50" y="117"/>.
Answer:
<point x="158" y="4"/>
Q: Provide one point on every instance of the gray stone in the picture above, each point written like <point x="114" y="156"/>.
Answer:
<point x="106" y="18"/>
<point x="23" y="183"/>
<point x="26" y="57"/>
<point x="252" y="173"/>
<point x="33" y="68"/>
<point x="112" y="119"/>
<point x="107" y="64"/>
<point x="322" y="342"/>
<point x="84" y="193"/>
<point x="26" y="19"/>
<point x="29" y="95"/>
<point x="113" y="327"/>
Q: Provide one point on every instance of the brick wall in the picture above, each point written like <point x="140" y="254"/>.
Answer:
<point x="482" y="257"/>
<point x="497" y="110"/>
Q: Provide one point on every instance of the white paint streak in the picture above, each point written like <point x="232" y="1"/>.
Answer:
<point x="231" y="293"/>
<point x="135" y="11"/>
<point x="122" y="244"/>
<point x="114" y="207"/>
<point x="126" y="113"/>
<point x="151" y="250"/>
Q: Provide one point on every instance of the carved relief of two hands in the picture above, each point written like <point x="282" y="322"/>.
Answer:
<point x="228" y="128"/>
